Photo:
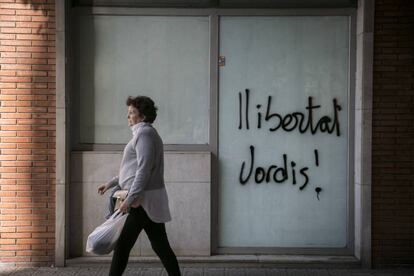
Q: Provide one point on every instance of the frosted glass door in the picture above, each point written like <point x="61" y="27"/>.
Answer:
<point x="283" y="128"/>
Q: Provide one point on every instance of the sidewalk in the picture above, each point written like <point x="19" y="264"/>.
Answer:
<point x="152" y="270"/>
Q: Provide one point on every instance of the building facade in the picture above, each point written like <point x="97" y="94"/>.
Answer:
<point x="287" y="126"/>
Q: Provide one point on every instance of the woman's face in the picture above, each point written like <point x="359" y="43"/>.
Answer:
<point x="133" y="116"/>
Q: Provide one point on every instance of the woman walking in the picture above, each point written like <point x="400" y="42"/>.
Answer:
<point x="142" y="174"/>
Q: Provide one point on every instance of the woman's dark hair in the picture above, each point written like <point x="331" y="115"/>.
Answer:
<point x="145" y="106"/>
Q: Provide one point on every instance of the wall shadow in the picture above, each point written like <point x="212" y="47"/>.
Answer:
<point x="81" y="44"/>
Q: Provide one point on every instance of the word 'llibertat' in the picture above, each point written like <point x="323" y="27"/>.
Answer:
<point x="302" y="121"/>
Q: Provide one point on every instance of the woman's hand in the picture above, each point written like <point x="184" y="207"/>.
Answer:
<point x="102" y="189"/>
<point x="124" y="208"/>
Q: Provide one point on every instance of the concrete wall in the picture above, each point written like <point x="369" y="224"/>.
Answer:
<point x="187" y="177"/>
<point x="362" y="134"/>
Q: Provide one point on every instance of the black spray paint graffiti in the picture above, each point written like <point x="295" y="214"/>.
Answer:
<point x="303" y="121"/>
<point x="289" y="122"/>
<point x="274" y="173"/>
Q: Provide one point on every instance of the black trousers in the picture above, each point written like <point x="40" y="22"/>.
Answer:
<point x="135" y="222"/>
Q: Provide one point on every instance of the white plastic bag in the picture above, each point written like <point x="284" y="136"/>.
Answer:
<point x="103" y="239"/>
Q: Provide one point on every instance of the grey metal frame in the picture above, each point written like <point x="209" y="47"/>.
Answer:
<point x="214" y="15"/>
<point x="351" y="134"/>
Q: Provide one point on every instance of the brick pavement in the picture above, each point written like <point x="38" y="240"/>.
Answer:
<point x="152" y="270"/>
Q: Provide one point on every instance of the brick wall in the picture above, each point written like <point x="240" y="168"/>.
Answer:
<point x="27" y="132"/>
<point x="393" y="134"/>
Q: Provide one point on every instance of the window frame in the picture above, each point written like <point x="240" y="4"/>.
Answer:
<point x="214" y="17"/>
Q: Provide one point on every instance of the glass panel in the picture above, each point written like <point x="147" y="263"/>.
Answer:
<point x="166" y="58"/>
<point x="283" y="131"/>
<point x="222" y="3"/>
<point x="288" y="3"/>
<point x="147" y="3"/>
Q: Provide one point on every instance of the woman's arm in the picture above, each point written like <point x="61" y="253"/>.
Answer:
<point x="145" y="151"/>
<point x="111" y="183"/>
